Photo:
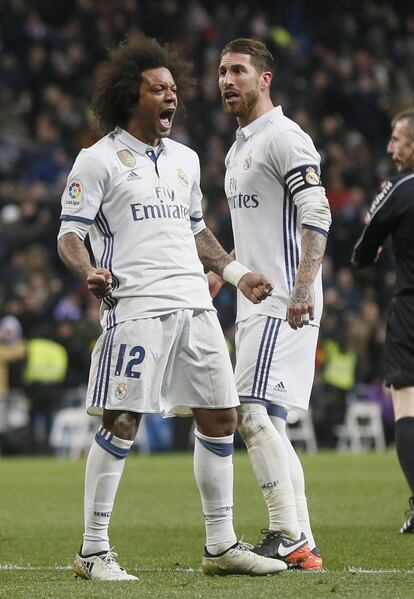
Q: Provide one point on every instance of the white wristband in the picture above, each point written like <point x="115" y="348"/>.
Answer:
<point x="233" y="272"/>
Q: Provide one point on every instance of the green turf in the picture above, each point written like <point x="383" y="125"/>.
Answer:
<point x="357" y="504"/>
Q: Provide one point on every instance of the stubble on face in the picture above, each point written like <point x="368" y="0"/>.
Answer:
<point x="246" y="104"/>
<point x="401" y="147"/>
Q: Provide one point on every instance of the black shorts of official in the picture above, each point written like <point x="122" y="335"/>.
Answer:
<point x="399" y="343"/>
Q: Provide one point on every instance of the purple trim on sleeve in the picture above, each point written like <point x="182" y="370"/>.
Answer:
<point x="79" y="219"/>
<point x="318" y="229"/>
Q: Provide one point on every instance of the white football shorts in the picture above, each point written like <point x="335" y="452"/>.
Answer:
<point x="168" y="364"/>
<point x="274" y="362"/>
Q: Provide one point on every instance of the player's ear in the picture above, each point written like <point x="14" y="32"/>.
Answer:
<point x="266" y="79"/>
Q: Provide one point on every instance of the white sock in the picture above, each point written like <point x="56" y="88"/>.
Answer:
<point x="298" y="481"/>
<point x="104" y="468"/>
<point x="269" y="459"/>
<point x="213" y="470"/>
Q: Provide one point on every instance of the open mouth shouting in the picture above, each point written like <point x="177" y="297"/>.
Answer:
<point x="166" y="118"/>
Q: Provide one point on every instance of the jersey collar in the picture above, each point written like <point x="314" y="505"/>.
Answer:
<point x="259" y="123"/>
<point x="137" y="145"/>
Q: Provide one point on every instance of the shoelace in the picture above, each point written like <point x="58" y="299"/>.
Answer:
<point x="268" y="532"/>
<point x="110" y="557"/>
<point x="245" y="545"/>
<point x="269" y="535"/>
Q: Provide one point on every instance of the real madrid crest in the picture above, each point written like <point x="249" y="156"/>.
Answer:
<point x="121" y="391"/>
<point x="127" y="158"/>
<point x="182" y="177"/>
<point x="247" y="161"/>
<point x="312" y="176"/>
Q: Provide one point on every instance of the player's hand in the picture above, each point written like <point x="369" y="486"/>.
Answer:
<point x="301" y="305"/>
<point x="99" y="282"/>
<point x="215" y="283"/>
<point x="255" y="286"/>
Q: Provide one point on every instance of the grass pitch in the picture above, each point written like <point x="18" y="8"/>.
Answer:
<point x="357" y="504"/>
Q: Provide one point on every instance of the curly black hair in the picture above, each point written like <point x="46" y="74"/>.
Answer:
<point x="119" y="80"/>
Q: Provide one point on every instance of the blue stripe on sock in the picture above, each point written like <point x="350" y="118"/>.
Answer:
<point x="257" y="400"/>
<point x="221" y="449"/>
<point x="106" y="444"/>
<point x="275" y="410"/>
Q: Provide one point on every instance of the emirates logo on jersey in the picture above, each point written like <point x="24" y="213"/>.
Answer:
<point x="247" y="161"/>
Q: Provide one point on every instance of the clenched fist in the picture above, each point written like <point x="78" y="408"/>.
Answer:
<point x="255" y="286"/>
<point x="99" y="282"/>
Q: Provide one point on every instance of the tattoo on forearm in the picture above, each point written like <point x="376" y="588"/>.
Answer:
<point x="302" y="294"/>
<point x="74" y="255"/>
<point x="313" y="249"/>
<point x="210" y="252"/>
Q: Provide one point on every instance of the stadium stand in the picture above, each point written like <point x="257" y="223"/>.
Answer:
<point x="341" y="73"/>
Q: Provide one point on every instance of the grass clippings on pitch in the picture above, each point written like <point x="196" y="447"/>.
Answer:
<point x="357" y="504"/>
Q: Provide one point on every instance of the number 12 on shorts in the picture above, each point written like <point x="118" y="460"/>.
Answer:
<point x="137" y="353"/>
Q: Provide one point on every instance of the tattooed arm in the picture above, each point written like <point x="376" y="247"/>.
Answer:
<point x="215" y="281"/>
<point x="302" y="298"/>
<point x="255" y="286"/>
<point x="74" y="255"/>
<point x="210" y="252"/>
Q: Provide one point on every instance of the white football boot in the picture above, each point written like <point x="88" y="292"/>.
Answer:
<point x="101" y="566"/>
<point x="240" y="560"/>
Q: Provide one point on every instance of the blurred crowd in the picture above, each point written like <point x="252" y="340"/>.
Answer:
<point x="343" y="70"/>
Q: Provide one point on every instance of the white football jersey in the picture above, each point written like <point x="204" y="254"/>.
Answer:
<point x="272" y="177"/>
<point x="143" y="207"/>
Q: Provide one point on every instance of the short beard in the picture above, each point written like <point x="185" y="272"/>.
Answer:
<point x="245" y="107"/>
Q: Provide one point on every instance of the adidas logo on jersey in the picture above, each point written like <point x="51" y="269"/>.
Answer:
<point x="280" y="387"/>
<point x="133" y="176"/>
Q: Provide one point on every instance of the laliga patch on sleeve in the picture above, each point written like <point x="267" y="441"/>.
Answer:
<point x="73" y="195"/>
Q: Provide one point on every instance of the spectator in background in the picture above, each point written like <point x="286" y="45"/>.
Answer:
<point x="12" y="350"/>
<point x="338" y="367"/>
<point x="44" y="377"/>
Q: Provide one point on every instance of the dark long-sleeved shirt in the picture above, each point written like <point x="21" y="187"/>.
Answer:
<point x="391" y="213"/>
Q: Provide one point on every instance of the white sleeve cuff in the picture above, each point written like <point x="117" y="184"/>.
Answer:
<point x="79" y="228"/>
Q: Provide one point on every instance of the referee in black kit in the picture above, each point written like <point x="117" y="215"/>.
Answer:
<point x="392" y="213"/>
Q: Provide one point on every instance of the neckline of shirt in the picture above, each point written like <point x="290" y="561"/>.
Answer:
<point x="139" y="146"/>
<point x="259" y="123"/>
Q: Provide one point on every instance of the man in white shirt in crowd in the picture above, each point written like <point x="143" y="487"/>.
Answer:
<point x="137" y="195"/>
<point x="280" y="218"/>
